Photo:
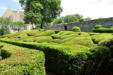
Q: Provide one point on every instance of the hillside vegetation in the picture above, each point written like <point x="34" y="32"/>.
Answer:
<point x="63" y="53"/>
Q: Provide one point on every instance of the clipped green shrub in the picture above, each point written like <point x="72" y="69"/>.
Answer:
<point x="59" y="41"/>
<point x="76" y="29"/>
<point x="16" y="35"/>
<point x="41" y="30"/>
<point x="56" y="36"/>
<point x="101" y="37"/>
<point x="45" y="33"/>
<point x="98" y="26"/>
<point x="98" y="61"/>
<point x="85" y="41"/>
<point x="103" y="30"/>
<point x="65" y="32"/>
<point x="68" y="34"/>
<point x="92" y="34"/>
<point x="27" y="39"/>
<point x="108" y="42"/>
<point x="32" y="32"/>
<point x="23" y="61"/>
<point x="100" y="29"/>
<point x="42" y="39"/>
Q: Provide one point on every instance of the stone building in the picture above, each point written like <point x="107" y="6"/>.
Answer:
<point x="14" y="15"/>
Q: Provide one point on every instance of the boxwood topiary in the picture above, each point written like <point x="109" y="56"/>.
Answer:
<point x="42" y="39"/>
<point x="76" y="29"/>
<point x="56" y="36"/>
<point x="98" y="26"/>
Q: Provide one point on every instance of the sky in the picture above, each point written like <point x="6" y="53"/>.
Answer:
<point x="87" y="8"/>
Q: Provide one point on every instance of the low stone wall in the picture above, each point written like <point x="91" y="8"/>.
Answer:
<point x="86" y="26"/>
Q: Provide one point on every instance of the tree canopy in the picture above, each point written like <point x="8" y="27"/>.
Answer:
<point x="41" y="11"/>
<point x="5" y="21"/>
<point x="69" y="19"/>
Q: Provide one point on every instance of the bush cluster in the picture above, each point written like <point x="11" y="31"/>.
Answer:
<point x="97" y="38"/>
<point x="76" y="29"/>
<point x="100" y="29"/>
<point x="98" y="26"/>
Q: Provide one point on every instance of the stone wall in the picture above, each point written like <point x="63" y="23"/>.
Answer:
<point x="86" y="26"/>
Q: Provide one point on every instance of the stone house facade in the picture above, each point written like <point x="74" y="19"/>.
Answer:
<point x="16" y="16"/>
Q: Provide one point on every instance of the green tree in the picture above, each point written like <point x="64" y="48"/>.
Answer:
<point x="5" y="21"/>
<point x="18" y="25"/>
<point x="4" y="28"/>
<point x="41" y="11"/>
<point x="69" y="19"/>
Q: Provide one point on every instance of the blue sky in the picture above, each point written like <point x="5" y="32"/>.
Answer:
<point x="87" y="8"/>
<point x="11" y="3"/>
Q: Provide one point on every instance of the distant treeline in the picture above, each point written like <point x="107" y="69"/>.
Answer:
<point x="70" y="19"/>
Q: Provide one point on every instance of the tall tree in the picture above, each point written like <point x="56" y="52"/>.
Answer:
<point x="41" y="11"/>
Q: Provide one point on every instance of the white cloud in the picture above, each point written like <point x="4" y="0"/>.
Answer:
<point x="88" y="8"/>
<point x="20" y="8"/>
<point x="3" y="8"/>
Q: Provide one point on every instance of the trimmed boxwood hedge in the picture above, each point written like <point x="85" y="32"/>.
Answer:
<point x="97" y="38"/>
<point x="109" y="43"/>
<point x="103" y="30"/>
<point x="23" y="61"/>
<point x="76" y="29"/>
<point x="62" y="60"/>
<point x="98" y="62"/>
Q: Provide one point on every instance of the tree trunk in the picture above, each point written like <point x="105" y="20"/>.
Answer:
<point x="41" y="26"/>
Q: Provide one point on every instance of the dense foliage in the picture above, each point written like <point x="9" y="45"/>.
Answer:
<point x="41" y="12"/>
<point x="69" y="19"/>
